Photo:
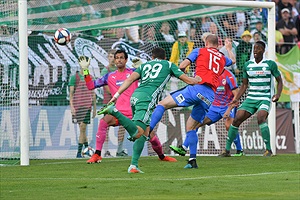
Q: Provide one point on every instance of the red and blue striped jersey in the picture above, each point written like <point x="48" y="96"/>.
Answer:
<point x="210" y="64"/>
<point x="227" y="83"/>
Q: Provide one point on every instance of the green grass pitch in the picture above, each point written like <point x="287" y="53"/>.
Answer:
<point x="248" y="177"/>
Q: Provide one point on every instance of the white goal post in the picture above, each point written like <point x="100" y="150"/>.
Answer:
<point x="23" y="68"/>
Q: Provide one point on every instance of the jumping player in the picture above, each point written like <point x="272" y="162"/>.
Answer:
<point x="210" y="64"/>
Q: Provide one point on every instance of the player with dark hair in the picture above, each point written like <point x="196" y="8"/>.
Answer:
<point x="114" y="80"/>
<point x="210" y="64"/>
<point x="258" y="75"/>
<point x="153" y="76"/>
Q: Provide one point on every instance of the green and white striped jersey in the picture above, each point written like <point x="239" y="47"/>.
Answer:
<point x="260" y="79"/>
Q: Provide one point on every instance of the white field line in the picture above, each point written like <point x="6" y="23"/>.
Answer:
<point x="157" y="179"/>
<point x="68" y="162"/>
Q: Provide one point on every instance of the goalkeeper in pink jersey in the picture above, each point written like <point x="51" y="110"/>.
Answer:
<point x="114" y="80"/>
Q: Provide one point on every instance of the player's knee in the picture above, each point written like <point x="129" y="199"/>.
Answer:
<point x="236" y="122"/>
<point x="261" y="120"/>
<point x="168" y="102"/>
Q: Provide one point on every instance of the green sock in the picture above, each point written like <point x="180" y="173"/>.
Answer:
<point x="265" y="132"/>
<point x="79" y="150"/>
<point x="86" y="144"/>
<point x="232" y="132"/>
<point x="126" y="123"/>
<point x="138" y="147"/>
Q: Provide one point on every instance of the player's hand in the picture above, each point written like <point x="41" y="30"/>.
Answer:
<point x="136" y="62"/>
<point x="226" y="114"/>
<point x="236" y="71"/>
<point x="84" y="62"/>
<point x="198" y="78"/>
<point x="234" y="103"/>
<point x="228" y="45"/>
<point x="114" y="99"/>
<point x="275" y="97"/>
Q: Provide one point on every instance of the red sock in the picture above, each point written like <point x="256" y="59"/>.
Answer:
<point x="156" y="145"/>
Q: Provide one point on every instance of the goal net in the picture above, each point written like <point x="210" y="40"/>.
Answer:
<point x="97" y="27"/>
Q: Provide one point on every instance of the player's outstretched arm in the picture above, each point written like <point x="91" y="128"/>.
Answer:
<point x="190" y="80"/>
<point x="228" y="46"/>
<point x="184" y="64"/>
<point x="91" y="84"/>
<point x="84" y="63"/>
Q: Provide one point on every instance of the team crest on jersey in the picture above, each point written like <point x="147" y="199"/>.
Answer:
<point x="133" y="101"/>
<point x="264" y="68"/>
<point x="224" y="81"/>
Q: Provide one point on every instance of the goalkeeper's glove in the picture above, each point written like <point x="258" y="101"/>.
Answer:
<point x="136" y="62"/>
<point x="84" y="62"/>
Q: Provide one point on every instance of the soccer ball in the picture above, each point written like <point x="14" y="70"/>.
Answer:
<point x="62" y="36"/>
<point x="88" y="152"/>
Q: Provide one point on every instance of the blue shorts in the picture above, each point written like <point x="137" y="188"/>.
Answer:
<point x="198" y="96"/>
<point x="215" y="113"/>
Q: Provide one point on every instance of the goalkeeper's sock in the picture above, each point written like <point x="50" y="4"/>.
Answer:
<point x="101" y="134"/>
<point x="98" y="152"/>
<point x="156" y="116"/>
<point x="193" y="141"/>
<point x="137" y="150"/>
<point x="232" y="132"/>
<point x="156" y="146"/>
<point x="125" y="122"/>
<point x="79" y="150"/>
<point x="237" y="142"/>
<point x="86" y="144"/>
<point x="265" y="132"/>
